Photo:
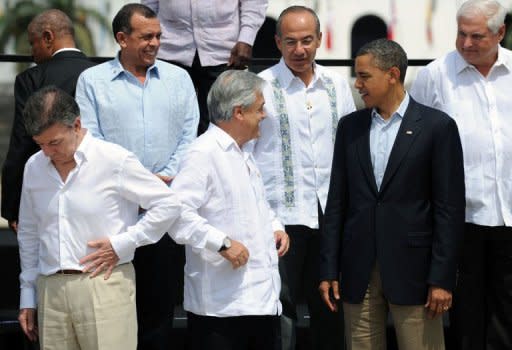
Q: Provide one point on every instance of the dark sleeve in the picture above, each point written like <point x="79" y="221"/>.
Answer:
<point x="330" y="236"/>
<point x="448" y="200"/>
<point x="21" y="147"/>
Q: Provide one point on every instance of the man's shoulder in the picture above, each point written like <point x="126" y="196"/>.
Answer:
<point x="167" y="69"/>
<point x="442" y="63"/>
<point x="433" y="115"/>
<point x="270" y="73"/>
<point x="99" y="71"/>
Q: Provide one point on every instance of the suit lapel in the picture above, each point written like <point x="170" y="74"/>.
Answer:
<point x="407" y="133"/>
<point x="363" y="150"/>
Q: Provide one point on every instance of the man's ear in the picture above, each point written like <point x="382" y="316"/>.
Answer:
<point x="237" y="113"/>
<point x="395" y="74"/>
<point x="48" y="37"/>
<point x="121" y="38"/>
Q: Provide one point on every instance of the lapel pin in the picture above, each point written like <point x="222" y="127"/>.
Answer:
<point x="409" y="132"/>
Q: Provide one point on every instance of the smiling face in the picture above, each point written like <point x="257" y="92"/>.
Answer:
<point x="140" y="47"/>
<point x="476" y="43"/>
<point x="298" y="43"/>
<point x="374" y="84"/>
<point x="253" y="115"/>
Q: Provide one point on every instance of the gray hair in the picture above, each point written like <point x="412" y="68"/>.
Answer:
<point x="47" y="107"/>
<point x="55" y="20"/>
<point x="296" y="9"/>
<point x="233" y="88"/>
<point x="490" y="9"/>
<point x="386" y="54"/>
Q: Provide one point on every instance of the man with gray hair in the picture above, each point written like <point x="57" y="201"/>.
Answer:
<point x="232" y="280"/>
<point x="471" y="84"/>
<point x="79" y="219"/>
<point x="395" y="210"/>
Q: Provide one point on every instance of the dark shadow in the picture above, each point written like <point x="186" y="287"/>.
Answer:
<point x="264" y="45"/>
<point x="364" y="30"/>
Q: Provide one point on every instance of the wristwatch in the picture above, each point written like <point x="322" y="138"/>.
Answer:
<point x="226" y="244"/>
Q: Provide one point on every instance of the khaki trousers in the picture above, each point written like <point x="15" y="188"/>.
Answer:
<point x="365" y="323"/>
<point x="83" y="313"/>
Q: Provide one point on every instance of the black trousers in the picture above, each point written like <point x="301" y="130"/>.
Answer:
<point x="233" y="333"/>
<point x="159" y="283"/>
<point x="203" y="79"/>
<point x="482" y="305"/>
<point x="299" y="278"/>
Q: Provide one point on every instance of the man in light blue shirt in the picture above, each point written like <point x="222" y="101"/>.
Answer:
<point x="150" y="108"/>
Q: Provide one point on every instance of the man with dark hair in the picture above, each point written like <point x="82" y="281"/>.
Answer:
<point x="304" y="102"/>
<point x="78" y="220"/>
<point x="395" y="210"/>
<point x="51" y="37"/>
<point x="149" y="107"/>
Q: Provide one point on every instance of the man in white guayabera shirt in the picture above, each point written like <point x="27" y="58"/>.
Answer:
<point x="232" y="280"/>
<point x="79" y="219"/>
<point x="304" y="103"/>
<point x="472" y="84"/>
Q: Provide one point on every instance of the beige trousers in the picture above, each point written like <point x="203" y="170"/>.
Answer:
<point x="82" y="313"/>
<point x="365" y="323"/>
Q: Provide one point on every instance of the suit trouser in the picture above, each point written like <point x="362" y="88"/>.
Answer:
<point x="76" y="312"/>
<point x="365" y="323"/>
<point x="233" y="333"/>
<point x="482" y="305"/>
<point x="159" y="271"/>
<point x="299" y="275"/>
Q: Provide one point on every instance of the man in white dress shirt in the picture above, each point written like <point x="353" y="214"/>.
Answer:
<point x="232" y="280"/>
<point x="304" y="102"/>
<point x="208" y="37"/>
<point x="79" y="219"/>
<point x="472" y="84"/>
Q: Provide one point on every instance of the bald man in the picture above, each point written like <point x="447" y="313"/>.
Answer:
<point x="59" y="63"/>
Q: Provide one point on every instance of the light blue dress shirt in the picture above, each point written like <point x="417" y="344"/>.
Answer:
<point x="382" y="137"/>
<point x="156" y="119"/>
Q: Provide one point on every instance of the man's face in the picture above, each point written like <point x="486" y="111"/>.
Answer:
<point x="373" y="83"/>
<point x="475" y="42"/>
<point x="41" y="49"/>
<point x="140" y="47"/>
<point x="59" y="142"/>
<point x="253" y="115"/>
<point x="298" y="42"/>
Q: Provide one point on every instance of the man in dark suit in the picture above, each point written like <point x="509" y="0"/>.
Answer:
<point x="51" y="37"/>
<point x="395" y="210"/>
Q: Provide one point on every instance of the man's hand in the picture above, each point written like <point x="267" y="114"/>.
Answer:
<point x="282" y="242"/>
<point x="166" y="179"/>
<point x="241" y="55"/>
<point x="13" y="225"/>
<point x="237" y="254"/>
<point x="439" y="301"/>
<point x="325" y="293"/>
<point x="103" y="259"/>
<point x="27" y="320"/>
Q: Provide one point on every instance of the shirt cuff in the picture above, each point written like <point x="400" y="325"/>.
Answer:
<point x="214" y="239"/>
<point x="277" y="226"/>
<point x="123" y="246"/>
<point x="28" y="298"/>
<point x="247" y="35"/>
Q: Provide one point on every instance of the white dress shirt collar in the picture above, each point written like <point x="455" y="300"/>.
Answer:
<point x="503" y="60"/>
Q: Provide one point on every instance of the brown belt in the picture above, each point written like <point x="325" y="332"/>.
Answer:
<point x="68" y="272"/>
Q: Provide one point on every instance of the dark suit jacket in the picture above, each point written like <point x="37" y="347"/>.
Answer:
<point x="412" y="227"/>
<point x="62" y="70"/>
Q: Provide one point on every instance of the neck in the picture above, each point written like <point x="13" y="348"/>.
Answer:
<point x="138" y="71"/>
<point x="392" y="103"/>
<point x="232" y="130"/>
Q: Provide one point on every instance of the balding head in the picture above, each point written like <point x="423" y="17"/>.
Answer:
<point x="48" y="32"/>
